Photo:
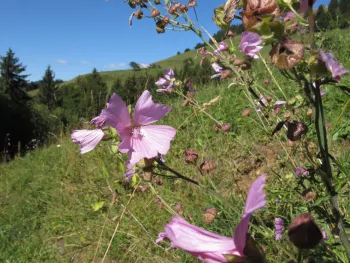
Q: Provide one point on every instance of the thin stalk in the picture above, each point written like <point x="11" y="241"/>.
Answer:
<point x="326" y="168"/>
<point x="272" y="76"/>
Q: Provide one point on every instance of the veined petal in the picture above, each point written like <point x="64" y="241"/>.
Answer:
<point x="87" y="139"/>
<point x="125" y="145"/>
<point x="255" y="201"/>
<point x="169" y="73"/>
<point x="117" y="115"/>
<point x="157" y="138"/>
<point x="162" y="82"/>
<point x="147" y="112"/>
<point x="204" y="245"/>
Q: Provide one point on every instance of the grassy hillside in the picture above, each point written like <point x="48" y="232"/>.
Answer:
<point x="60" y="206"/>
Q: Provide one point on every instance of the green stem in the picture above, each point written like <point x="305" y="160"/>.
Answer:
<point x="326" y="168"/>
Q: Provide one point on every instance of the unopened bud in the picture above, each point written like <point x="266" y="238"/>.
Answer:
<point x="309" y="112"/>
<point x="226" y="73"/>
<point x="172" y="10"/>
<point x="304" y="233"/>
<point x="183" y="8"/>
<point x="155" y="12"/>
<point x="225" y="127"/>
<point x="166" y="20"/>
<point x="245" y="112"/>
<point x="138" y="14"/>
<point x="192" y="3"/>
<point x="191" y="157"/>
<point x="208" y="165"/>
<point x="177" y="5"/>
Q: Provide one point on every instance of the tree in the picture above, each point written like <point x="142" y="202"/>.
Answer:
<point x="187" y="49"/>
<point x="47" y="88"/>
<point x="13" y="83"/>
<point x="344" y="8"/>
<point x="333" y="8"/>
<point x="135" y="66"/>
<point x="322" y="19"/>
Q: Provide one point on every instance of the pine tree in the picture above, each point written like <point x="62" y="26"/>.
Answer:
<point x="47" y="88"/>
<point x="322" y="19"/>
<point x="344" y="9"/>
<point x="333" y="8"/>
<point x="13" y="83"/>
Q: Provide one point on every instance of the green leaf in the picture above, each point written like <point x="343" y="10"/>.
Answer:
<point x="97" y="206"/>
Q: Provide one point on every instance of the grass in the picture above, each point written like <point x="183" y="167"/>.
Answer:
<point x="60" y="206"/>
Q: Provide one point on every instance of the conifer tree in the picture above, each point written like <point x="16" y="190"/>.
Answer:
<point x="333" y="8"/>
<point x="13" y="82"/>
<point x="322" y="19"/>
<point x="344" y="9"/>
<point x="47" y="88"/>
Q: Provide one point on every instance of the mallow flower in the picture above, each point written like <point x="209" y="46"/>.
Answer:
<point x="167" y="82"/>
<point x="278" y="228"/>
<point x="301" y="171"/>
<point x="210" y="247"/>
<point x="332" y="65"/>
<point x="250" y="42"/>
<point x="139" y="139"/>
<point x="222" y="47"/>
<point x="218" y="69"/>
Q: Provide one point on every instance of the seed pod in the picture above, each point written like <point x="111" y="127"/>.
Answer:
<point x="208" y="165"/>
<point x="304" y="233"/>
<point x="245" y="112"/>
<point x="191" y="157"/>
<point x="226" y="73"/>
<point x="209" y="214"/>
<point x="138" y="14"/>
<point x="192" y="3"/>
<point x="155" y="12"/>
<point x="225" y="127"/>
<point x="166" y="20"/>
<point x="183" y="8"/>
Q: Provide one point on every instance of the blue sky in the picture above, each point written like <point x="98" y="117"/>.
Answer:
<point x="74" y="36"/>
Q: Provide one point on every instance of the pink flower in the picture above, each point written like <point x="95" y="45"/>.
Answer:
<point x="139" y="139"/>
<point x="222" y="47"/>
<point x="332" y="65"/>
<point x="250" y="44"/>
<point x="88" y="139"/>
<point x="279" y="103"/>
<point x="210" y="247"/>
<point x="278" y="228"/>
<point x="218" y="69"/>
<point x="301" y="171"/>
<point x="167" y="83"/>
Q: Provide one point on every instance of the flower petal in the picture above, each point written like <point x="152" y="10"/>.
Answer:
<point x="255" y="201"/>
<point x="117" y="115"/>
<point x="162" y="82"/>
<point x="87" y="139"/>
<point x="147" y="112"/>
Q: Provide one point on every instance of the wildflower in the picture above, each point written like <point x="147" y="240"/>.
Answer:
<point x="304" y="233"/>
<point x="250" y="44"/>
<point x="222" y="47"/>
<point x="168" y="82"/>
<point x="210" y="247"/>
<point x="301" y="171"/>
<point x="218" y="69"/>
<point x="332" y="65"/>
<point x="139" y="139"/>
<point x="279" y="103"/>
<point x="278" y="228"/>
<point x="324" y="235"/>
<point x="87" y="139"/>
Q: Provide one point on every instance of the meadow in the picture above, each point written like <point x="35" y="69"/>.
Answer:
<point x="60" y="206"/>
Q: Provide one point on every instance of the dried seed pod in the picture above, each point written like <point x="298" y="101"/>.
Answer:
<point x="304" y="233"/>
<point x="225" y="127"/>
<point x="183" y="8"/>
<point x="166" y="20"/>
<point x="216" y="127"/>
<point x="226" y="73"/>
<point x="209" y="214"/>
<point x="245" y="112"/>
<point x="192" y="3"/>
<point x="296" y="130"/>
<point x="230" y="9"/>
<point x="208" y="165"/>
<point x="179" y="209"/>
<point x="287" y="54"/>
<point x="155" y="13"/>
<point x="191" y="157"/>
<point x="138" y="14"/>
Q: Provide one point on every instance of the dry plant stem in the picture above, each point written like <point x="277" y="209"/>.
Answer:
<point x="271" y="74"/>
<point x="117" y="226"/>
<point x="326" y="168"/>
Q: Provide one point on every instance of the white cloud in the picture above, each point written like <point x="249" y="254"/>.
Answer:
<point x="84" y="62"/>
<point x="144" y="65"/>
<point x="61" y="61"/>
<point x="116" y="65"/>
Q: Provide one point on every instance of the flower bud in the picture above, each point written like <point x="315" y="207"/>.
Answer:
<point x="166" y="20"/>
<point x="245" y="112"/>
<point x="225" y="127"/>
<point x="138" y="14"/>
<point x="155" y="12"/>
<point x="208" y="166"/>
<point x="209" y="214"/>
<point x="304" y="233"/>
<point x="191" y="157"/>
<point x="179" y="209"/>
<point x="172" y="10"/>
<point x="192" y="3"/>
<point x="183" y="8"/>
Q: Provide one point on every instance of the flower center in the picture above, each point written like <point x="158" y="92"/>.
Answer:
<point x="137" y="132"/>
